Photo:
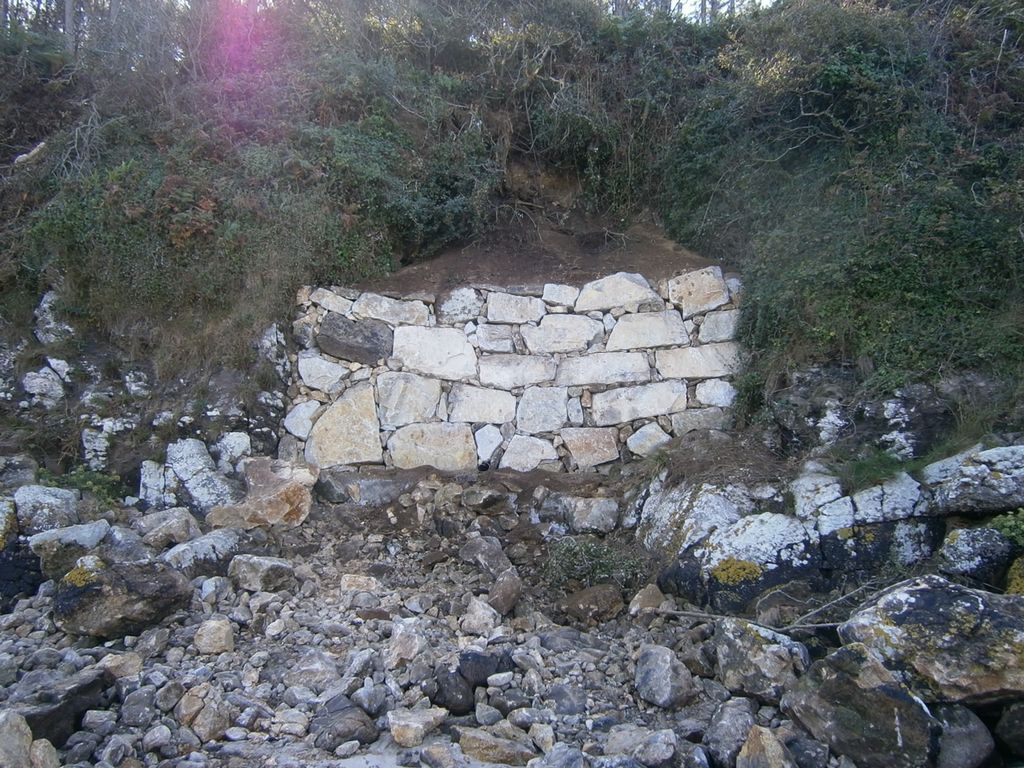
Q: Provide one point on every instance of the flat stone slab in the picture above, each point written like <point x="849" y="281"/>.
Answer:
<point x="405" y="398"/>
<point x="623" y="289"/>
<point x="526" y="453"/>
<point x="515" y="310"/>
<point x="542" y="409"/>
<point x="442" y="352"/>
<point x="707" y="361"/>
<point x="591" y="446"/>
<point x="348" y="432"/>
<point x="603" y="368"/>
<point x="331" y="301"/>
<point x="560" y="295"/>
<point x="477" y="404"/>
<point x="618" y="406"/>
<point x="511" y="371"/>
<point x="648" y="329"/>
<point x="488" y="440"/>
<point x="449" y="447"/>
<point x="698" y="291"/>
<point x="564" y="333"/>
<point x="716" y="392"/>
<point x="391" y="311"/>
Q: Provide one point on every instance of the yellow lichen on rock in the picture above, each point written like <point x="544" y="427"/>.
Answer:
<point x="733" y="571"/>
<point x="1015" y="578"/>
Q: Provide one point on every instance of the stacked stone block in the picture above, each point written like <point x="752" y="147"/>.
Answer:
<point x="557" y="378"/>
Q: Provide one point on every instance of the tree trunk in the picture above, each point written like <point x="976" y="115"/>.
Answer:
<point x="69" y="25"/>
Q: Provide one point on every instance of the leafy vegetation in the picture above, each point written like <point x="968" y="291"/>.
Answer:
<point x="1011" y="525"/>
<point x="574" y="562"/>
<point x="861" y="162"/>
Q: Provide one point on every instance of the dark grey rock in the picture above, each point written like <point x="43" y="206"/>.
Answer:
<point x="485" y="553"/>
<point x="661" y="679"/>
<point x="567" y="699"/>
<point x="754" y="661"/>
<point x="965" y="741"/>
<point x="338" y="721"/>
<point x="728" y="730"/>
<point x="453" y="692"/>
<point x="809" y="753"/>
<point x="209" y="555"/>
<point x="139" y="707"/>
<point x="562" y="756"/>
<point x="476" y="667"/>
<point x="124" y="598"/>
<point x="53" y="704"/>
<point x="1010" y="728"/>
<point x="361" y="341"/>
<point x="851" y="702"/>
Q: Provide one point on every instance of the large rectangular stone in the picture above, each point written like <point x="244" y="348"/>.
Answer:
<point x="508" y="308"/>
<point x="442" y="352"/>
<point x="590" y="446"/>
<point x="699" y="291"/>
<point x="623" y="289"/>
<point x="392" y="311"/>
<point x="511" y="371"/>
<point x="625" y="404"/>
<point x="448" y="447"/>
<point x="704" y="362"/>
<point x="648" y="329"/>
<point x="476" y="404"/>
<point x="405" y="398"/>
<point x="542" y="409"/>
<point x="564" y="333"/>
<point x="603" y="368"/>
<point x="348" y="432"/>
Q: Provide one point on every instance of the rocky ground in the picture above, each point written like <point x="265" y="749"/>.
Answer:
<point x="409" y="622"/>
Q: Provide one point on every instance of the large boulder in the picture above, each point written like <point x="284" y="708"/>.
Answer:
<point x="110" y="601"/>
<point x="661" y="678"/>
<point x="978" y="481"/>
<point x="949" y="643"/>
<point x="279" y="493"/>
<point x="852" y="702"/>
<point x="339" y="721"/>
<point x="207" y="555"/>
<point x="981" y="554"/>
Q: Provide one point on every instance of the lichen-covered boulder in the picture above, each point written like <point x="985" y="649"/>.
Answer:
<point x="59" y="548"/>
<point x="852" y="702"/>
<point x="982" y="554"/>
<point x="112" y="600"/>
<point x="977" y="481"/>
<point x="950" y="643"/>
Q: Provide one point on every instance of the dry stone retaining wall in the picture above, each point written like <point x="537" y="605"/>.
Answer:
<point x="561" y="377"/>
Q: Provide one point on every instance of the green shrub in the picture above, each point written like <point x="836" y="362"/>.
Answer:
<point x="575" y="561"/>
<point x="1011" y="525"/>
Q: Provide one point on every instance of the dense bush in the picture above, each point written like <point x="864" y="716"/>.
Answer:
<point x="861" y="162"/>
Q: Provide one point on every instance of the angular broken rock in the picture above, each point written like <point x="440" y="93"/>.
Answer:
<point x="392" y="311"/>
<point x="190" y="461"/>
<point x="698" y="291"/>
<point x="257" y="573"/>
<point x="279" y="494"/>
<point x="481" y="745"/>
<point x="59" y="548"/>
<point x="515" y="310"/>
<point x="167" y="527"/>
<point x="361" y="341"/>
<point x="110" y="601"/>
<point x="339" y="721"/>
<point x="526" y="453"/>
<point x="348" y="432"/>
<point x="41" y="508"/>
<point x="207" y="555"/>
<point x="661" y="679"/>
<point x="53" y="707"/>
<point x="410" y="726"/>
<point x="755" y="661"/>
<point x="851" y="702"/>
